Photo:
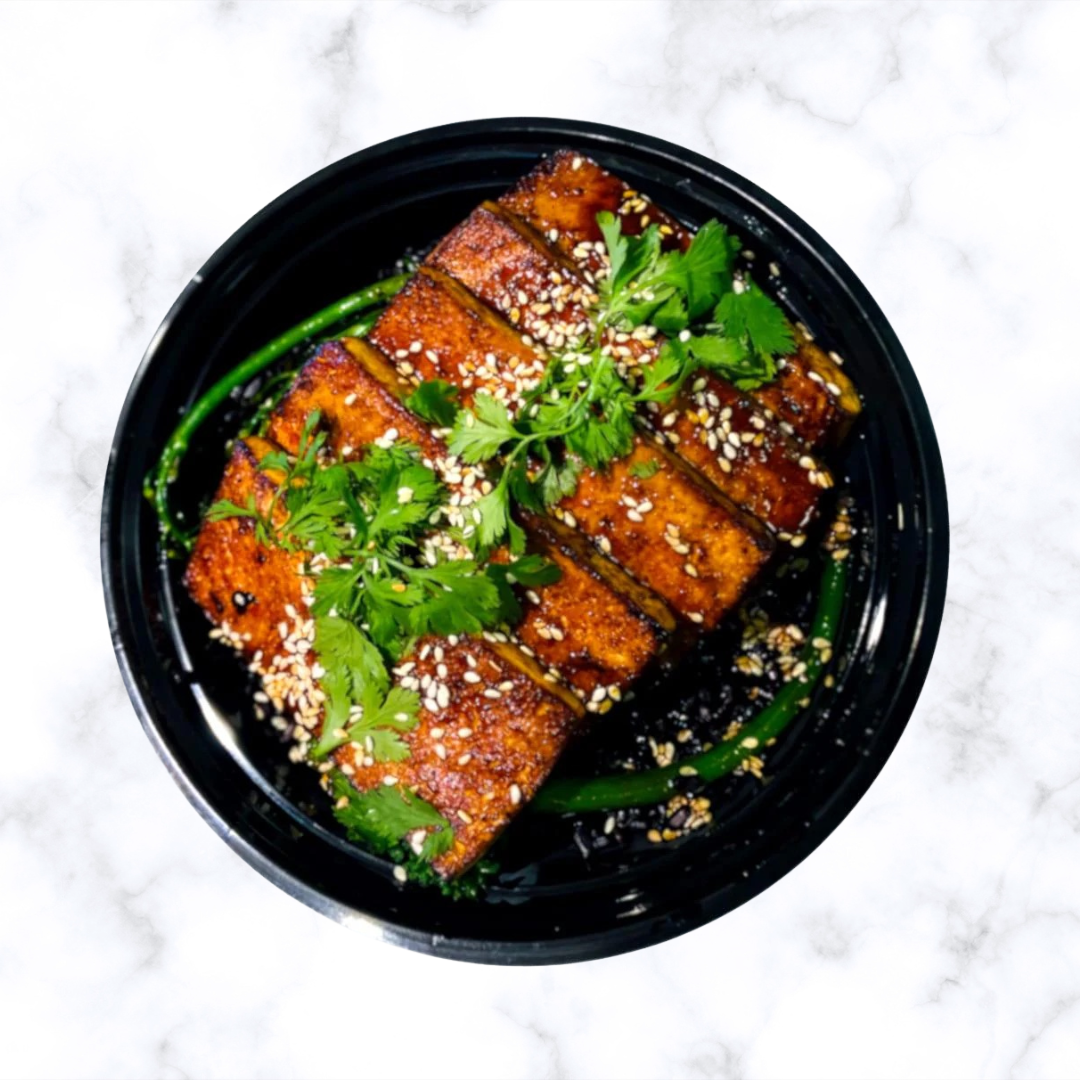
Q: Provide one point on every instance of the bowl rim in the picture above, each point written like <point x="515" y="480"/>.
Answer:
<point x="931" y="593"/>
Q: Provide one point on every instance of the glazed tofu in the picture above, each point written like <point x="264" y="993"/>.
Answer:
<point x="595" y="628"/>
<point x="508" y="266"/>
<point x="811" y="396"/>
<point x="466" y="343"/>
<point x="670" y="531"/>
<point x="481" y="758"/>
<point x="243" y="586"/>
<point x="480" y="750"/>
<point x="732" y="441"/>
<point x="561" y="197"/>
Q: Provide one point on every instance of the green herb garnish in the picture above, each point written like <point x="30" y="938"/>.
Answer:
<point x="435" y="401"/>
<point x="382" y="582"/>
<point x="386" y="817"/>
<point x="645" y="470"/>
<point x="584" y="411"/>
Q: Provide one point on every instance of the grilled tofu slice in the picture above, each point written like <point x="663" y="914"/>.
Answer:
<point x="482" y="757"/>
<point x="507" y="265"/>
<point x="811" y="395"/>
<point x="732" y="441"/>
<point x="464" y="342"/>
<point x="670" y="531"/>
<point x="595" y="628"/>
<point x="480" y="750"/>
<point x="561" y="198"/>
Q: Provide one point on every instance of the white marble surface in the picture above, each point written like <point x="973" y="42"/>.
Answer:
<point x="937" y="932"/>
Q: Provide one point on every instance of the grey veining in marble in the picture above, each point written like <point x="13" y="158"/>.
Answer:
<point x="937" y="932"/>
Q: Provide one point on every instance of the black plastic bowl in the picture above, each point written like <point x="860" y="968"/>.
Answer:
<point x="332" y="234"/>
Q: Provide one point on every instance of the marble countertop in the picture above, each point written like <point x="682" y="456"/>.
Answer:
<point x="937" y="931"/>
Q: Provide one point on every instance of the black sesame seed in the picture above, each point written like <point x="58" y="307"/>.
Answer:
<point x="242" y="599"/>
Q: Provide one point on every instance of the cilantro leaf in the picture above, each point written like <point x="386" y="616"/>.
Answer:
<point x="530" y="571"/>
<point x="493" y="511"/>
<point x="703" y="272"/>
<point x="751" y="314"/>
<point x="614" y="241"/>
<point x="645" y="470"/>
<point x="435" y="401"/>
<point x="557" y="480"/>
<point x="478" y="433"/>
<point x="386" y="816"/>
<point x="335" y="591"/>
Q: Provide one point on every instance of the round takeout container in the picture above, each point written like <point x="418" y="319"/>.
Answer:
<point x="334" y="233"/>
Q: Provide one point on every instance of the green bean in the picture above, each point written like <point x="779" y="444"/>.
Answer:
<point x="614" y="792"/>
<point x="156" y="487"/>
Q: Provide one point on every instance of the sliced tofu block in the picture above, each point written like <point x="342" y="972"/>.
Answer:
<point x="731" y="441"/>
<point x="764" y="478"/>
<point x="481" y="758"/>
<point x="507" y="265"/>
<point x="594" y="628"/>
<point x="561" y="197"/>
<point x="359" y="404"/>
<point x="482" y="747"/>
<point x="670" y="531"/>
<point x="811" y="396"/>
<point x="462" y="341"/>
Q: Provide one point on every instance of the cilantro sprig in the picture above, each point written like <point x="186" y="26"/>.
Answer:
<point x="383" y="581"/>
<point x="726" y="323"/>
<point x="583" y="412"/>
<point x="386" y="817"/>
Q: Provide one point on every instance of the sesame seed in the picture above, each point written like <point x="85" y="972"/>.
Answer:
<point x="515" y="794"/>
